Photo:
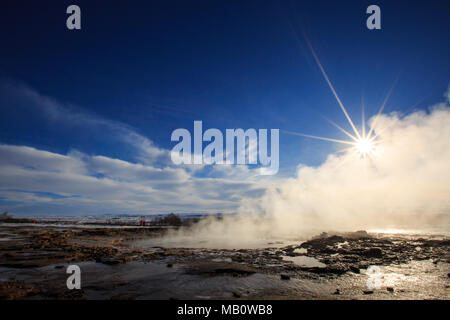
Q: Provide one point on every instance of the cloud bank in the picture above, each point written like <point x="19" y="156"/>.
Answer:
<point x="40" y="182"/>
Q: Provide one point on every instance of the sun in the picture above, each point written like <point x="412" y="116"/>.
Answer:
<point x="360" y="142"/>
<point x="364" y="146"/>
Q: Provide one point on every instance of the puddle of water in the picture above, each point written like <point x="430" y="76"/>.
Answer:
<point x="305" y="261"/>
<point x="11" y="239"/>
<point x="222" y="260"/>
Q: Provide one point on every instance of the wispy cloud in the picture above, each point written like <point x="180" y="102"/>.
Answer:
<point x="71" y="116"/>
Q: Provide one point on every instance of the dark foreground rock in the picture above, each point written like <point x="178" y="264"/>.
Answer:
<point x="343" y="253"/>
<point x="211" y="269"/>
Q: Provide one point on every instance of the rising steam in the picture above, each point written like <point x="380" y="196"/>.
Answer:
<point x="406" y="184"/>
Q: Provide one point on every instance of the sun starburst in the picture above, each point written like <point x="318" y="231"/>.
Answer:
<point x="361" y="143"/>
<point x="364" y="146"/>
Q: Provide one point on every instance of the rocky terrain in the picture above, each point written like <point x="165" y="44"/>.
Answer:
<point x="33" y="261"/>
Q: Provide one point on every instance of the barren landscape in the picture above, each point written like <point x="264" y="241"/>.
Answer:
<point x="120" y="262"/>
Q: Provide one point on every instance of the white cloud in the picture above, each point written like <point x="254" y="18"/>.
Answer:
<point x="27" y="157"/>
<point x="97" y="184"/>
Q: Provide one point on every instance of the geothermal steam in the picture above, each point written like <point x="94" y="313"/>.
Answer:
<point x="406" y="185"/>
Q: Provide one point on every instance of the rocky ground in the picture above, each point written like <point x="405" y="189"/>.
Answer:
<point x="33" y="261"/>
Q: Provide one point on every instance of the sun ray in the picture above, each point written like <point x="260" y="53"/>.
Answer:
<point x="376" y="135"/>
<point x="342" y="129"/>
<point x="316" y="58"/>
<point x="363" y="121"/>
<point x="344" y="150"/>
<point x="372" y="126"/>
<point x="319" y="138"/>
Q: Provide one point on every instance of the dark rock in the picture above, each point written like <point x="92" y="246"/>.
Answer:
<point x="285" y="277"/>
<point x="338" y="268"/>
<point x="354" y="269"/>
<point x="390" y="289"/>
<point x="169" y="265"/>
<point x="236" y="294"/>
<point x="373" y="253"/>
<point x="337" y="291"/>
<point x="368" y="292"/>
<point x="321" y="243"/>
<point x="217" y="269"/>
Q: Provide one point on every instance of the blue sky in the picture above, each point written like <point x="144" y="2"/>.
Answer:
<point x="116" y="89"/>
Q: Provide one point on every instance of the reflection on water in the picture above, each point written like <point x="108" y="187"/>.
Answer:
<point x="305" y="261"/>
<point x="430" y="231"/>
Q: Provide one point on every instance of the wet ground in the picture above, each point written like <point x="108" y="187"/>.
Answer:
<point x="131" y="263"/>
